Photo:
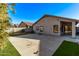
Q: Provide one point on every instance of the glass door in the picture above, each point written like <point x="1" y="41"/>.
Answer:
<point x="67" y="29"/>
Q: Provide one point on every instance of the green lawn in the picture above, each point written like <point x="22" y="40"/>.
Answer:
<point x="9" y="50"/>
<point x="67" y="49"/>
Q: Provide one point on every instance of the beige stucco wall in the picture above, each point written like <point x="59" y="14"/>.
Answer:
<point x="48" y="25"/>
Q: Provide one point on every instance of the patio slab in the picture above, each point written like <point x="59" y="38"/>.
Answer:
<point x="24" y="46"/>
<point x="36" y="45"/>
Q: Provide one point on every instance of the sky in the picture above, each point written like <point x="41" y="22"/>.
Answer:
<point x="31" y="12"/>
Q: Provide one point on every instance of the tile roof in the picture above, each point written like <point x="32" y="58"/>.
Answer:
<point x="71" y="19"/>
<point x="28" y="23"/>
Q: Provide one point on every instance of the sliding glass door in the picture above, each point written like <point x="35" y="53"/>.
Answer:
<point x="67" y="29"/>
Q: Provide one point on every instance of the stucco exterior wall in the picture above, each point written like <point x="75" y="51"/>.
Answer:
<point x="48" y="23"/>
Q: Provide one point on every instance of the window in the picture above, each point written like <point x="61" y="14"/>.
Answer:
<point x="46" y="20"/>
<point x="37" y="28"/>
<point x="41" y="28"/>
<point x="55" y="28"/>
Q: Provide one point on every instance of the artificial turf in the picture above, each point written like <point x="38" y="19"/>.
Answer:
<point x="67" y="49"/>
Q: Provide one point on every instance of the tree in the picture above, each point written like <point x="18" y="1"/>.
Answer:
<point x="4" y="23"/>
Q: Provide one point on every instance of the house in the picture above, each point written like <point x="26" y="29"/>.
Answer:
<point x="25" y="25"/>
<point x="15" y="25"/>
<point x="56" y="25"/>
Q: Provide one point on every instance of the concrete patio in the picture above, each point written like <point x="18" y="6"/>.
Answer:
<point x="36" y="45"/>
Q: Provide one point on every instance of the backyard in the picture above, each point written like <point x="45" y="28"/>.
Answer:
<point x="67" y="49"/>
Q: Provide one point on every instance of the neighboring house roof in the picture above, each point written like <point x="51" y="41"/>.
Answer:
<point x="56" y="17"/>
<point x="15" y="25"/>
<point x="23" y="24"/>
<point x="29" y="23"/>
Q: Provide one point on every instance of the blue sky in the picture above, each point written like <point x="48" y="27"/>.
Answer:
<point x="31" y="12"/>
